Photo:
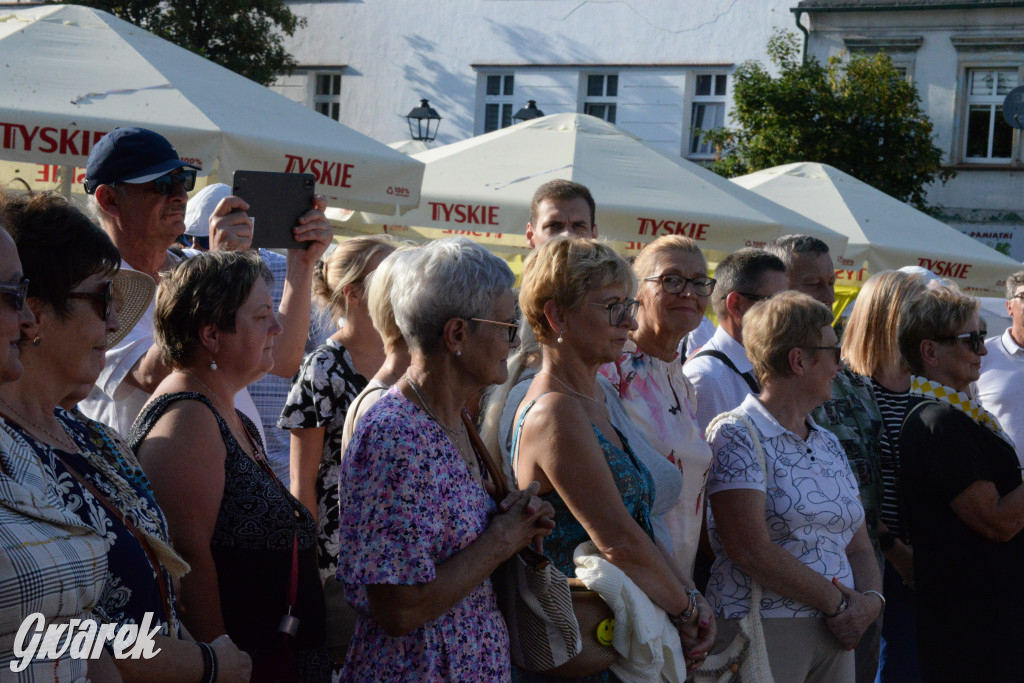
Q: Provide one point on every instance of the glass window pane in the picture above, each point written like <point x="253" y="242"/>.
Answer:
<point x="594" y="110"/>
<point x="613" y="86"/>
<point x="1007" y="81"/>
<point x="703" y="85"/>
<point x="506" y="115"/>
<point x="1002" y="137"/>
<point x="977" y="130"/>
<point x="982" y="82"/>
<point x="494" y="85"/>
<point x="322" y="107"/>
<point x="490" y="118"/>
<point x="509" y="81"/>
<point x="610" y="118"/>
<point x="336" y="85"/>
<point x="720" y="85"/>
<point x="335" y="111"/>
<point x="322" y="84"/>
<point x="595" y="86"/>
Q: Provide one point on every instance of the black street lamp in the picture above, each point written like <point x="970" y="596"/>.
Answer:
<point x="423" y="122"/>
<point x="529" y="112"/>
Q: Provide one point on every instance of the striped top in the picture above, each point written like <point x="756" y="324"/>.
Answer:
<point x="893" y="407"/>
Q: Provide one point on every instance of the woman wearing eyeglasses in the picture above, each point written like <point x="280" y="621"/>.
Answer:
<point x="963" y="499"/>
<point x="577" y="296"/>
<point x="795" y="525"/>
<point x="83" y="303"/>
<point x="673" y="294"/>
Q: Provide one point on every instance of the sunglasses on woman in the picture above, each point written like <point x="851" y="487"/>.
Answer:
<point x="15" y="293"/>
<point x="103" y="301"/>
<point x="974" y="339"/>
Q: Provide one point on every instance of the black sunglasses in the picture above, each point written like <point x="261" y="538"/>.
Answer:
<point x="675" y="284"/>
<point x="104" y="301"/>
<point x="754" y="297"/>
<point x="185" y="177"/>
<point x="837" y="349"/>
<point x="974" y="339"/>
<point x="15" y="293"/>
<point x="513" y="328"/>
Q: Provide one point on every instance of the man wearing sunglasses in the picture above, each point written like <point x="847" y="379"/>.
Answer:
<point x="852" y="414"/>
<point x="139" y="189"/>
<point x="1001" y="385"/>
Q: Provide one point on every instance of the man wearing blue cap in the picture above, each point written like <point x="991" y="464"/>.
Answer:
<point x="139" y="187"/>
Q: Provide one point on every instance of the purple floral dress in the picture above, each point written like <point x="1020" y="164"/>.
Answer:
<point x="408" y="502"/>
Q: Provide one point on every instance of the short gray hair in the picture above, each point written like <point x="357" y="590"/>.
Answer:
<point x="445" y="279"/>
<point x="1013" y="282"/>
<point x="742" y="271"/>
<point x="788" y="246"/>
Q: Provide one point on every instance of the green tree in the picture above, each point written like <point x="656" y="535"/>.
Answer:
<point x="242" y="35"/>
<point x="857" y="114"/>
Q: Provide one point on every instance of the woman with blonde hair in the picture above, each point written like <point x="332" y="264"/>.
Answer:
<point x="329" y="378"/>
<point x="577" y="296"/>
<point x="673" y="294"/>
<point x="870" y="348"/>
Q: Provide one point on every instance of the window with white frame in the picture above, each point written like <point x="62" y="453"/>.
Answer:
<point x="707" y="111"/>
<point x="601" y="95"/>
<point x="498" y="90"/>
<point x="987" y="136"/>
<point x="327" y="93"/>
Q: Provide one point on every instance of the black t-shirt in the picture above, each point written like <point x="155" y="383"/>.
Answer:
<point x="970" y="590"/>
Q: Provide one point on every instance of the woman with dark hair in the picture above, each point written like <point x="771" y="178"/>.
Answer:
<point x="77" y="294"/>
<point x="251" y="544"/>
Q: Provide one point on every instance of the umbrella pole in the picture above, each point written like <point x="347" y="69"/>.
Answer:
<point x="67" y="174"/>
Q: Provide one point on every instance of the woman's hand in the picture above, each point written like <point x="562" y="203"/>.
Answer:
<point x="232" y="664"/>
<point x="850" y="625"/>
<point x="523" y="518"/>
<point x="698" y="635"/>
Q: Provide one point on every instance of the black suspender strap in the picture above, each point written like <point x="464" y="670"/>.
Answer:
<point x="747" y="377"/>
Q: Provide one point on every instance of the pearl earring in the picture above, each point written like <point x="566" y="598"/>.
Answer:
<point x="560" y="340"/>
<point x="458" y="352"/>
<point x="213" y="364"/>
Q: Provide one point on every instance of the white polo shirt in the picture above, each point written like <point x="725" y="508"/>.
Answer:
<point x="1001" y="386"/>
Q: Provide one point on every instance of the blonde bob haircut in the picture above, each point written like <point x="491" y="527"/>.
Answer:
<point x="869" y="342"/>
<point x="565" y="270"/>
<point x="937" y="313"/>
<point x="346" y="265"/>
<point x="644" y="264"/>
<point x="378" y="295"/>
<point x="771" y="328"/>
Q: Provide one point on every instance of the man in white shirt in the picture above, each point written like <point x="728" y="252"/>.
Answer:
<point x="139" y="187"/>
<point x="720" y="372"/>
<point x="1001" y="385"/>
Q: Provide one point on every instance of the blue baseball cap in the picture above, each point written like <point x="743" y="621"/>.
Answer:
<point x="130" y="155"/>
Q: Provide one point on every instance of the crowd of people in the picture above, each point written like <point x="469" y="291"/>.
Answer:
<point x="185" y="443"/>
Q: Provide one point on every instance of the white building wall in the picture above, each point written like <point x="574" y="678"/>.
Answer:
<point x="395" y="52"/>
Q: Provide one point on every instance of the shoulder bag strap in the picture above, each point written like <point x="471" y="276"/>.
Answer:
<point x="150" y="554"/>
<point x="496" y="475"/>
<point x="715" y="353"/>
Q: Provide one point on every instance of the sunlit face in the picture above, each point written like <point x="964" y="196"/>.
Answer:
<point x="13" y="322"/>
<point x="560" y="217"/>
<point x="247" y="351"/>
<point x="679" y="313"/>
<point x="143" y="210"/>
<point x="590" y="329"/>
<point x="75" y="346"/>
<point x="488" y="346"/>
<point x="822" y="365"/>
<point x="1015" y="307"/>
<point x="814" y="275"/>
<point x="957" y="363"/>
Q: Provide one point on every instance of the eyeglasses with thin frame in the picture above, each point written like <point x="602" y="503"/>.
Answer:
<point x="675" y="284"/>
<point x="837" y="349"/>
<point x="15" y="293"/>
<point x="974" y="339"/>
<point x="754" y="297"/>
<point x="617" y="310"/>
<point x="513" y="328"/>
<point x="103" y="301"/>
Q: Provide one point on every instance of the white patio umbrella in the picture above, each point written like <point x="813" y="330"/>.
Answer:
<point x="482" y="187"/>
<point x="70" y="74"/>
<point x="884" y="233"/>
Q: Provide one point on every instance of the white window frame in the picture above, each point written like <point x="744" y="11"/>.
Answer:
<point x="720" y="101"/>
<point x="504" y="101"/>
<point x="608" y="102"/>
<point x="984" y="53"/>
<point x="331" y="101"/>
<point x="993" y="104"/>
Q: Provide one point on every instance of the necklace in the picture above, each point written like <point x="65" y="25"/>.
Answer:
<point x="427" y="409"/>
<point x="589" y="398"/>
<point x="256" y="455"/>
<point x="62" y="441"/>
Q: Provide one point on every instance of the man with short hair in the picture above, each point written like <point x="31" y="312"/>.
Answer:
<point x="1001" y="385"/>
<point x="720" y="372"/>
<point x="139" y="192"/>
<point x="560" y="207"/>
<point x="852" y="414"/>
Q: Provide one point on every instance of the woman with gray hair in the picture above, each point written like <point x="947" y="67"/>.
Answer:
<point x="963" y="499"/>
<point x="420" y="536"/>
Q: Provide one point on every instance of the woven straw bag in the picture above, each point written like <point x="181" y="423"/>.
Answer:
<point x="745" y="659"/>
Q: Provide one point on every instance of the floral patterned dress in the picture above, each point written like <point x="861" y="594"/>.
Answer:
<point x="320" y="395"/>
<point x="408" y="503"/>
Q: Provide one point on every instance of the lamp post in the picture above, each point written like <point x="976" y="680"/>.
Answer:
<point x="423" y="122"/>
<point x="529" y="112"/>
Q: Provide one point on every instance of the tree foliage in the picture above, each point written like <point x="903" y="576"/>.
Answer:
<point x="242" y="35"/>
<point x="856" y="113"/>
